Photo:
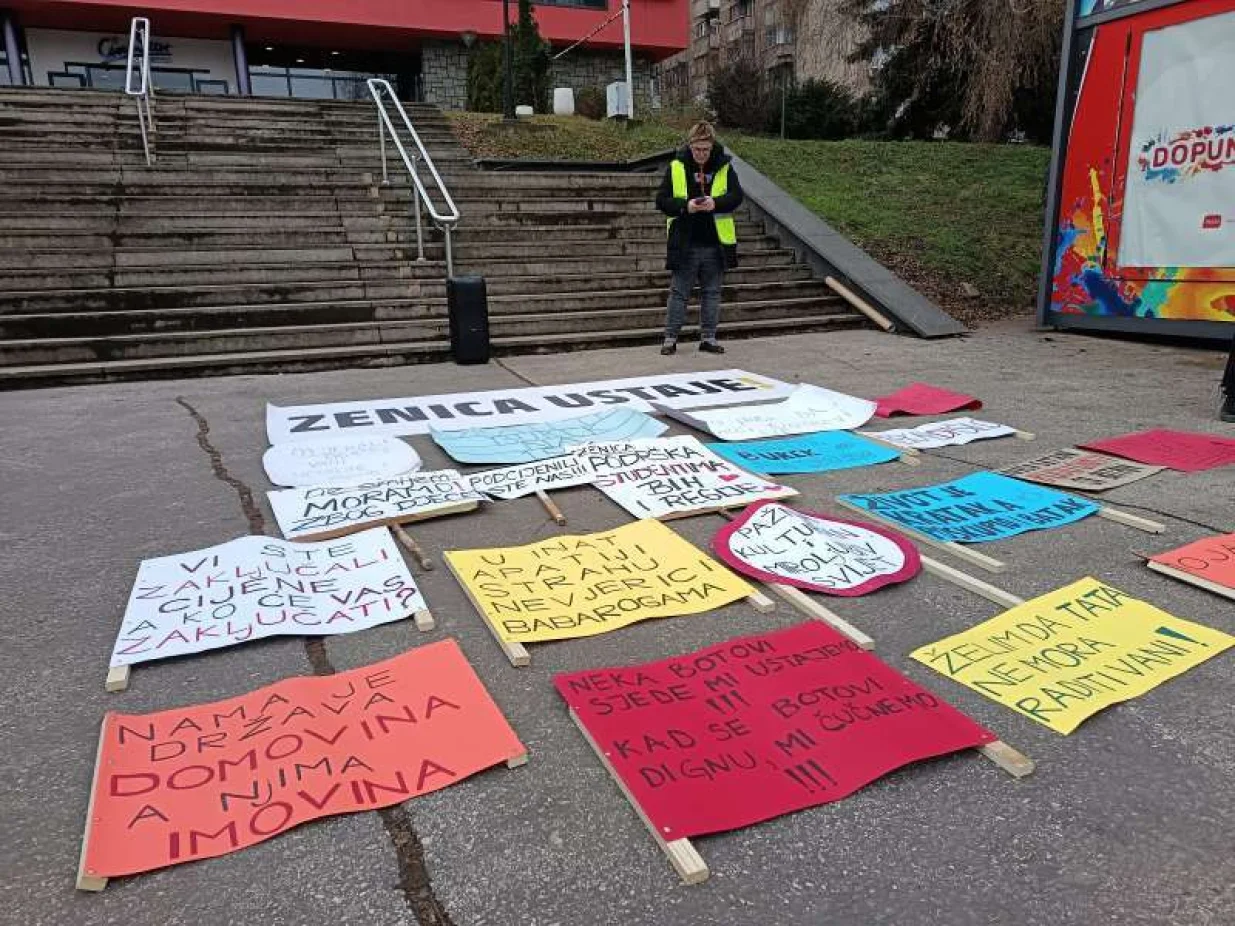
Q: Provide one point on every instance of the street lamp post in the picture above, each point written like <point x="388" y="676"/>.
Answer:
<point x="508" y="88"/>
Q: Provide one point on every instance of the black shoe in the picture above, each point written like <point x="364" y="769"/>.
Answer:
<point x="1227" y="412"/>
<point x="711" y="347"/>
<point x="669" y="347"/>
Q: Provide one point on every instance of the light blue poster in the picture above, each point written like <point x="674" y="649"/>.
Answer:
<point x="524" y="443"/>
<point x="809" y="453"/>
<point x="982" y="506"/>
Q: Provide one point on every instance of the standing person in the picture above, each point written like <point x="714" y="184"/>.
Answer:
<point x="699" y="193"/>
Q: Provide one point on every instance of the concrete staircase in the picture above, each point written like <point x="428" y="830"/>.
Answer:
<point x="263" y="241"/>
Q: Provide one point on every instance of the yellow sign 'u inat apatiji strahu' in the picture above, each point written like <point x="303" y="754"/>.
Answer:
<point x="578" y="585"/>
<point x="1062" y="657"/>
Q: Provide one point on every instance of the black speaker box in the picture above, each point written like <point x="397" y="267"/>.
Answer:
<point x="468" y="305"/>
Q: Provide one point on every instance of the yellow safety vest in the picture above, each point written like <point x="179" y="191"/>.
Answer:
<point x="726" y="231"/>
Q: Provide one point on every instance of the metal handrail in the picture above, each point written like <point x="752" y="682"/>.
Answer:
<point x="143" y="92"/>
<point x="379" y="89"/>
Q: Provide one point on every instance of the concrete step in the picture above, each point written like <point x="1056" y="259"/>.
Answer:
<point x="379" y="355"/>
<point x="431" y="325"/>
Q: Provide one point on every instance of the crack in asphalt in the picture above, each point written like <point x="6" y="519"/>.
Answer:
<point x="414" y="878"/>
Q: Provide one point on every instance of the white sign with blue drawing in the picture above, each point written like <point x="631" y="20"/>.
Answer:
<point x="807" y="409"/>
<point x="525" y="443"/>
<point x="810" y="453"/>
<point x="978" y="507"/>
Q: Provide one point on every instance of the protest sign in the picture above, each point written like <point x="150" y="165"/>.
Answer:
<point x="256" y="587"/>
<point x="1063" y="656"/>
<point x="1209" y="563"/>
<point x="338" y="460"/>
<point x="924" y="399"/>
<point x="775" y="543"/>
<point x="578" y="585"/>
<point x="941" y="433"/>
<point x="1186" y="451"/>
<point x="541" y="476"/>
<point x="1079" y="469"/>
<point x="806" y="410"/>
<point x="759" y="726"/>
<point x="204" y="780"/>
<point x="669" y="477"/>
<point x="415" y="415"/>
<point x="976" y="508"/>
<point x="526" y="443"/>
<point x="324" y="511"/>
<point x="810" y="453"/>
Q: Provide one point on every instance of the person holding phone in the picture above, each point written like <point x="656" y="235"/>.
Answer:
<point x="699" y="193"/>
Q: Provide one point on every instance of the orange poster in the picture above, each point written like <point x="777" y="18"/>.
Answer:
<point x="1211" y="559"/>
<point x="208" y="779"/>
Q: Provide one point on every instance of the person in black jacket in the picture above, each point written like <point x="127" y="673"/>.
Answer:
<point x="1227" y="411"/>
<point x="699" y="193"/>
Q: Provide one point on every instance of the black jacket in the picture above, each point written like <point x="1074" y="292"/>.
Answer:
<point x="698" y="229"/>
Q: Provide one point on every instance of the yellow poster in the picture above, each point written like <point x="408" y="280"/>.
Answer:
<point x="582" y="584"/>
<point x="1065" y="655"/>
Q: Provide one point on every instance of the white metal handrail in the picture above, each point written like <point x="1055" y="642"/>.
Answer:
<point x="380" y="89"/>
<point x="137" y="69"/>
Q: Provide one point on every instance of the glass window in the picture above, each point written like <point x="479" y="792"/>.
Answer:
<point x="269" y="82"/>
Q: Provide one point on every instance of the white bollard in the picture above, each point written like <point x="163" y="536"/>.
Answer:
<point x="563" y="101"/>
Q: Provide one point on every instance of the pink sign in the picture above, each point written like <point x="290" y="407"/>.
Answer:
<point x="775" y="543"/>
<point x="923" y="399"/>
<point x="1186" y="451"/>
<point x="759" y="726"/>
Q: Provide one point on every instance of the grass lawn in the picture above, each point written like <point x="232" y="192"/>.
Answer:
<point x="938" y="213"/>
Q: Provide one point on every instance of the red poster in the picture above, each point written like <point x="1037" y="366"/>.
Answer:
<point x="759" y="726"/>
<point x="208" y="779"/>
<point x="1187" y="451"/>
<point x="1212" y="559"/>
<point x="923" y="399"/>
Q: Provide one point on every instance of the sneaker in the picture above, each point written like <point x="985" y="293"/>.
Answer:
<point x="1227" y="412"/>
<point x="669" y="347"/>
<point x="711" y="347"/>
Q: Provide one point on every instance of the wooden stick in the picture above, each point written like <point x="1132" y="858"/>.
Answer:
<point x="1012" y="761"/>
<point x="971" y="583"/>
<point x="87" y="881"/>
<point x="517" y="761"/>
<point x="908" y="460"/>
<point x="905" y="451"/>
<point x="760" y="602"/>
<point x="859" y="303"/>
<point x="1026" y="435"/>
<point x="687" y="862"/>
<point x="554" y="511"/>
<point x="515" y="652"/>
<point x="1131" y="520"/>
<point x="1190" y="578"/>
<point x="816" y="611"/>
<point x="117" y="678"/>
<point x="424" y="620"/>
<point x="981" y="560"/>
<point x="412" y="547"/>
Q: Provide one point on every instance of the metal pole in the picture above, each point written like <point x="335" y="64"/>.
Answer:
<point x="12" y="51"/>
<point x="243" y="86"/>
<point x="630" y="82"/>
<point x="381" y="138"/>
<point x="784" y="92"/>
<point x="420" y="235"/>
<point x="508" y="88"/>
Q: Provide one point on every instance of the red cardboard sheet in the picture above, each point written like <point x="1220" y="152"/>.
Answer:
<point x="923" y="399"/>
<point x="1186" y="451"/>
<point x="759" y="726"/>
<point x="207" y="779"/>
<point x="1212" y="559"/>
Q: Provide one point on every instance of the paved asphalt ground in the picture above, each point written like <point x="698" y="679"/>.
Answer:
<point x="1130" y="820"/>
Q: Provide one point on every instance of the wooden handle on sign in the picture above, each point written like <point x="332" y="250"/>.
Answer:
<point x="1012" y="761"/>
<point x="1131" y="520"/>
<point x="554" y="511"/>
<point x="412" y="547"/>
<point x="816" y="611"/>
<point x="970" y="583"/>
<point x="86" y="880"/>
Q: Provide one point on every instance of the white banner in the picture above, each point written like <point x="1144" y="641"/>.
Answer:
<point x="1179" y="200"/>
<point x="517" y="481"/>
<point x="672" y="476"/>
<point x="256" y="587"/>
<point x="941" y="433"/>
<point x="318" y="512"/>
<point x="808" y="409"/>
<point x="343" y="459"/>
<point x="499" y="407"/>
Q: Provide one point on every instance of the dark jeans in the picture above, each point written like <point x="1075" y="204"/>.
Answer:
<point x="705" y="265"/>
<point x="1228" y="378"/>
